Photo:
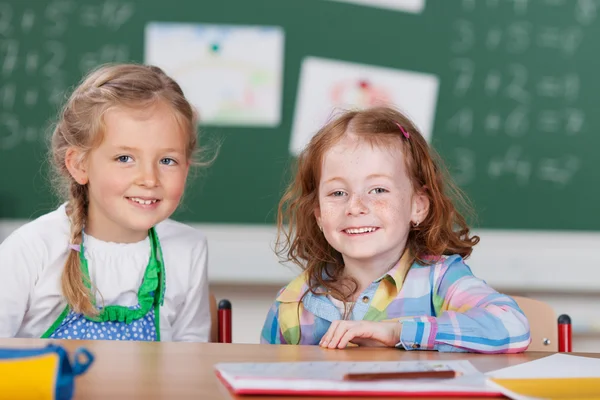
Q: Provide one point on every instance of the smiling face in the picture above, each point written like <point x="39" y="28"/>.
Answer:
<point x="137" y="175"/>
<point x="366" y="202"/>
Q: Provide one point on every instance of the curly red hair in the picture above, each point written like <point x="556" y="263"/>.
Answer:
<point x="443" y="232"/>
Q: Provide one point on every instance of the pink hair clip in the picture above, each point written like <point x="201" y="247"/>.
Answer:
<point x="404" y="132"/>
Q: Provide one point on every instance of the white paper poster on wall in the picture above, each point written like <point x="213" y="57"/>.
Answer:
<point x="327" y="87"/>
<point x="411" y="6"/>
<point x="232" y="74"/>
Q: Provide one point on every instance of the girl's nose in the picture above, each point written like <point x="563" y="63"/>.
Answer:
<point x="357" y="206"/>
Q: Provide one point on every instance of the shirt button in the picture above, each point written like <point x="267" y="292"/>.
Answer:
<point x="365" y="299"/>
<point x="415" y="345"/>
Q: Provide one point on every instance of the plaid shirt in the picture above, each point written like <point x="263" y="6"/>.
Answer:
<point x="442" y="306"/>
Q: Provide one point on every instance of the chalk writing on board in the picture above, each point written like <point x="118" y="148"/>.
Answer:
<point x="584" y="11"/>
<point x="559" y="170"/>
<point x="106" y="53"/>
<point x="566" y="41"/>
<point x="461" y="122"/>
<point x="6" y="13"/>
<point x="465" y="71"/>
<point x="528" y="104"/>
<point x="513" y="123"/>
<point x="111" y="14"/>
<point x="8" y="94"/>
<point x="514" y="38"/>
<point x="514" y="162"/>
<point x="13" y="132"/>
<point x="566" y="86"/>
<point x="465" y="167"/>
<point x="44" y="61"/>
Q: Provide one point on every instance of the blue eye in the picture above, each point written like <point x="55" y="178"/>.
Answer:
<point x="338" y="193"/>
<point x="168" y="161"/>
<point x="124" y="159"/>
<point x="379" y="190"/>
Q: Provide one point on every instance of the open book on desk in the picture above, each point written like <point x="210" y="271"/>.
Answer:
<point x="324" y="378"/>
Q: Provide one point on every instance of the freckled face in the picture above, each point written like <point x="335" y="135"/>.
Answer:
<point x="365" y="201"/>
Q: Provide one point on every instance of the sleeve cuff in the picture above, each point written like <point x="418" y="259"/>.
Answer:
<point x="418" y="334"/>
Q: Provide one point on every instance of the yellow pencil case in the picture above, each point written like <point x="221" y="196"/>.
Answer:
<point x="41" y="373"/>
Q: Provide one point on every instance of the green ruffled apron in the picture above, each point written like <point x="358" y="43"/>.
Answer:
<point x="114" y="322"/>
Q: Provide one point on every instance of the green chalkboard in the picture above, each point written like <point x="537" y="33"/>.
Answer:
<point x="516" y="113"/>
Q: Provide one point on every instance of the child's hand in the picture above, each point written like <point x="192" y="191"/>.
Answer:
<point x="362" y="333"/>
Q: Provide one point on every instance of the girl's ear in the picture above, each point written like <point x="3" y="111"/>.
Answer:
<point x="318" y="216"/>
<point x="420" y="207"/>
<point x="74" y="161"/>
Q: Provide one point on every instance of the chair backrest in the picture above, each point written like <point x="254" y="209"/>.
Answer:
<point x="542" y="322"/>
<point x="220" y="316"/>
<point x="214" y="316"/>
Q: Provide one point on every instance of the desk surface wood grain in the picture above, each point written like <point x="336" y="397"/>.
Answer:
<point x="140" y="370"/>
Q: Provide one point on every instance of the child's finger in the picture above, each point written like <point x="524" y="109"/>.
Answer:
<point x="340" y="330"/>
<point x="350" y="334"/>
<point x="329" y="334"/>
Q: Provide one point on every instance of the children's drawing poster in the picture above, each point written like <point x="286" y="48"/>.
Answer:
<point x="231" y="73"/>
<point x="327" y="87"/>
<point x="411" y="6"/>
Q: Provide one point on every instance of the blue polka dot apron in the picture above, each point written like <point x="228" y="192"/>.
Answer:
<point x="114" y="322"/>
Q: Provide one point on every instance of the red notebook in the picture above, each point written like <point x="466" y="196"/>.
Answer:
<point x="324" y="378"/>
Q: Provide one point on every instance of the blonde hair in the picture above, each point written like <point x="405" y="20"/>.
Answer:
<point x="444" y="231"/>
<point x="80" y="125"/>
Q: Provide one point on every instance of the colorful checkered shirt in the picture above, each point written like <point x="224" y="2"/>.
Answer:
<point x="442" y="306"/>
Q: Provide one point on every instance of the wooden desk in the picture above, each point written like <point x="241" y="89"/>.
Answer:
<point x="139" y="370"/>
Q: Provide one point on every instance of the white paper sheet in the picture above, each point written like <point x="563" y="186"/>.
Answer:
<point x="327" y="87"/>
<point x="554" y="366"/>
<point x="412" y="6"/>
<point x="232" y="74"/>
